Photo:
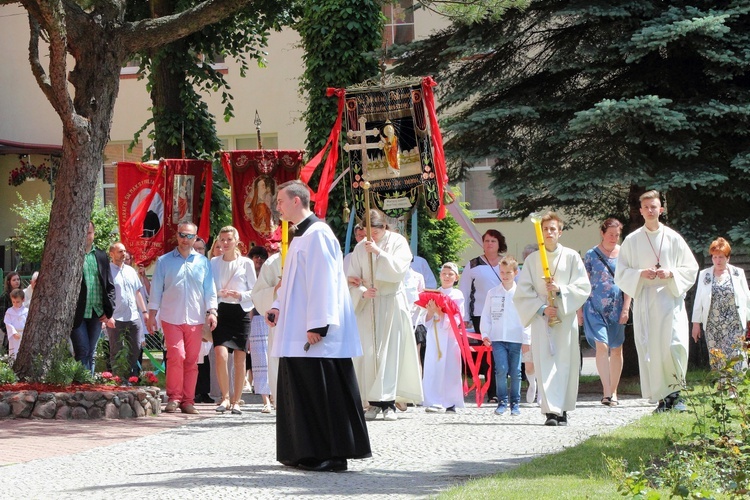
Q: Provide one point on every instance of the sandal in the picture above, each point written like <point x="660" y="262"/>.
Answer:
<point x="493" y="400"/>
<point x="236" y="409"/>
<point x="266" y="408"/>
<point x="223" y="406"/>
<point x="613" y="402"/>
<point x="607" y="401"/>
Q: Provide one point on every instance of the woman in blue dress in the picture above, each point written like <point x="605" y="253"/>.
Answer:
<point x="606" y="310"/>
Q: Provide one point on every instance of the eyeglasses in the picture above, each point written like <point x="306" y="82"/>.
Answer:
<point x="187" y="236"/>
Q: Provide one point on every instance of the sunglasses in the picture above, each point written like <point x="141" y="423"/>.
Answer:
<point x="186" y="235"/>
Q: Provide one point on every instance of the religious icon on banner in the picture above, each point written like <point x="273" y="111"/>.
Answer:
<point x="182" y="205"/>
<point x="388" y="141"/>
<point x="258" y="205"/>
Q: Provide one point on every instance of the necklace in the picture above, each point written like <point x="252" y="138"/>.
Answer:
<point x="556" y="264"/>
<point x="657" y="255"/>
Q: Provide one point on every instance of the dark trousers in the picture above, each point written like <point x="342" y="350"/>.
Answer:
<point x="130" y="330"/>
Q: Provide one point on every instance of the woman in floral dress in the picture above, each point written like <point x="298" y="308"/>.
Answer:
<point x="722" y="302"/>
<point x="606" y="310"/>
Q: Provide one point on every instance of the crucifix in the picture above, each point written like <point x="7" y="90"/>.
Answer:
<point x="362" y="146"/>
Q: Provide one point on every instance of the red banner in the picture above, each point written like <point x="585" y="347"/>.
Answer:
<point x="254" y="176"/>
<point x="152" y="200"/>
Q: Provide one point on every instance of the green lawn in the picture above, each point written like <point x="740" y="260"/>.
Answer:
<point x="581" y="471"/>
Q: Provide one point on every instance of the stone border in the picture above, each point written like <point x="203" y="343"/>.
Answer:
<point x="81" y="405"/>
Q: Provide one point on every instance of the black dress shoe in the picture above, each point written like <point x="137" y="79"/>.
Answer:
<point x="551" y="420"/>
<point x="563" y="420"/>
<point x="331" y="465"/>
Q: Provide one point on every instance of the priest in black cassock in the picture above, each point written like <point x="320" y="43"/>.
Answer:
<point x="319" y="422"/>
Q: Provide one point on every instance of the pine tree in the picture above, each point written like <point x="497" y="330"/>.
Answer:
<point x="586" y="104"/>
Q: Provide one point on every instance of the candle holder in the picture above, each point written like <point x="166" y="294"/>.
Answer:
<point x="536" y="219"/>
<point x="551" y="300"/>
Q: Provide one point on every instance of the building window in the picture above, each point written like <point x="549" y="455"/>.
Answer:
<point x="479" y="195"/>
<point x="399" y="24"/>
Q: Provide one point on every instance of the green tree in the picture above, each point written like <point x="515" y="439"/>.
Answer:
<point x="584" y="105"/>
<point x="31" y="231"/>
<point x="97" y="39"/>
<point x="340" y="39"/>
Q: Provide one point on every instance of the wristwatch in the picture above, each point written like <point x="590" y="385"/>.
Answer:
<point x="211" y="311"/>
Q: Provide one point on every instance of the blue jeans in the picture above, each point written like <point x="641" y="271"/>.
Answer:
<point x="84" y="338"/>
<point x="507" y="356"/>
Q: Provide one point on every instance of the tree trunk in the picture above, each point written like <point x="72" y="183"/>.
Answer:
<point x="165" y="92"/>
<point x="96" y="80"/>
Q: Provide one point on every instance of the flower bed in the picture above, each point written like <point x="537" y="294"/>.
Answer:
<point x="78" y="402"/>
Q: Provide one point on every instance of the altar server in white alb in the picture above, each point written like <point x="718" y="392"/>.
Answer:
<point x="389" y="368"/>
<point x="657" y="268"/>
<point x="319" y="423"/>
<point x="556" y="348"/>
<point x="264" y="295"/>
<point x="442" y="383"/>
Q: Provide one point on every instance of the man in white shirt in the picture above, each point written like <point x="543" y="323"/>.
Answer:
<point x="183" y="292"/>
<point x="124" y="325"/>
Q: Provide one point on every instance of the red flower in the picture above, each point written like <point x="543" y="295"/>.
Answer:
<point x="106" y="375"/>
<point x="117" y="379"/>
<point x="133" y="379"/>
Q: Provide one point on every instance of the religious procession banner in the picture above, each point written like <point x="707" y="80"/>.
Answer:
<point x="254" y="176"/>
<point x="390" y="144"/>
<point x="393" y="140"/>
<point x="152" y="200"/>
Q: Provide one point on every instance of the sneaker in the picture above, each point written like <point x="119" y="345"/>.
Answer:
<point x="434" y="409"/>
<point x="451" y="409"/>
<point x="531" y="391"/>
<point x="515" y="410"/>
<point x="389" y="414"/>
<point x="563" y="420"/>
<point x="551" y="420"/>
<point x="501" y="408"/>
<point x="372" y="412"/>
<point x="679" y="406"/>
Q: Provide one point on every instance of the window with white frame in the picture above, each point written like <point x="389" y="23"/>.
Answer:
<point x="479" y="195"/>
<point x="399" y="24"/>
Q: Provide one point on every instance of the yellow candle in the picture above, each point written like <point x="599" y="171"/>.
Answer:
<point x="284" y="240"/>
<point x="537" y="220"/>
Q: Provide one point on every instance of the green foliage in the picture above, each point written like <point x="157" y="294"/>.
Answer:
<point x="242" y="36"/>
<point x="64" y="370"/>
<point x="583" y="104"/>
<point x="470" y="11"/>
<point x="712" y="459"/>
<point x="339" y="38"/>
<point x="440" y="241"/>
<point x="7" y="376"/>
<point x="31" y="231"/>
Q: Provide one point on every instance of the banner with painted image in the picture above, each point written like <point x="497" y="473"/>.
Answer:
<point x="389" y="144"/>
<point x="254" y="176"/>
<point x="152" y="200"/>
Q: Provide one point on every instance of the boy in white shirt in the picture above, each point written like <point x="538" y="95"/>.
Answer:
<point x="15" y="321"/>
<point x="505" y="333"/>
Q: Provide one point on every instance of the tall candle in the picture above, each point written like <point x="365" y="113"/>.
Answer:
<point x="284" y="240"/>
<point x="536" y="218"/>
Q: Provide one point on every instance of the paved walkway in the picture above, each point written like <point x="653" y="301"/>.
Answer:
<point x="225" y="456"/>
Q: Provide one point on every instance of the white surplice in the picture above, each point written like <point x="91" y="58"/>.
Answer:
<point x="389" y="368"/>
<point x="263" y="296"/>
<point x="442" y="381"/>
<point x="660" y="319"/>
<point x="314" y="293"/>
<point x="556" y="349"/>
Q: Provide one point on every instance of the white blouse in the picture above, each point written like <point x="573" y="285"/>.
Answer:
<point x="238" y="275"/>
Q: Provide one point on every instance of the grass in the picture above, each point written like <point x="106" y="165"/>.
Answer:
<point x="580" y="471"/>
<point x="583" y="471"/>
